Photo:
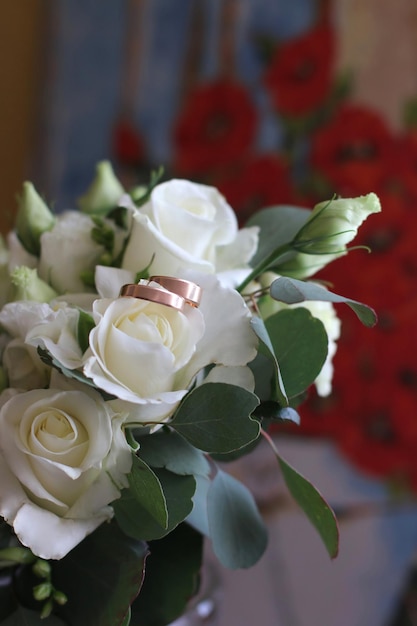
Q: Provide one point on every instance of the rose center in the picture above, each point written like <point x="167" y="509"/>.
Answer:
<point x="199" y="207"/>
<point x="56" y="432"/>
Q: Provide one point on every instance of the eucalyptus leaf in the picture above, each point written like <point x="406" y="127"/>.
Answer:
<point x="237" y="531"/>
<point x="261" y="332"/>
<point x="171" y="577"/>
<point x="85" y="326"/>
<point x="314" y="506"/>
<point x="291" y="291"/>
<point x="169" y="450"/>
<point x="215" y="417"/>
<point x="299" y="342"/>
<point x="147" y="490"/>
<point x="101" y="577"/>
<point x="137" y="522"/>
<point x="198" y="517"/>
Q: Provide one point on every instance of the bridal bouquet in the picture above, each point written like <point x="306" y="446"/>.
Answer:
<point x="146" y="341"/>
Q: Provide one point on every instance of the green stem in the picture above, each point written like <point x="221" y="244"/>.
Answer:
<point x="263" y="265"/>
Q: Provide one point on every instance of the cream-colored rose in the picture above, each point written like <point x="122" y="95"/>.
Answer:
<point x="63" y="460"/>
<point x="68" y="251"/>
<point x="186" y="225"/>
<point x="148" y="354"/>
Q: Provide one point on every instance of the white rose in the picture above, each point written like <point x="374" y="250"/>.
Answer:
<point x="63" y="460"/>
<point x="68" y="250"/>
<point x="325" y="312"/>
<point x="24" y="368"/>
<point x="148" y="354"/>
<point x="188" y="225"/>
<point x="40" y="325"/>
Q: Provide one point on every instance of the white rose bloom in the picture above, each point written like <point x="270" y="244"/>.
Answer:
<point x="326" y="313"/>
<point x="63" y="460"/>
<point x="24" y="368"/>
<point x="40" y="325"/>
<point x="148" y="355"/>
<point x="188" y="225"/>
<point x="68" y="250"/>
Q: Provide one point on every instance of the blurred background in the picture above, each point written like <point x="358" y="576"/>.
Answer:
<point x="274" y="103"/>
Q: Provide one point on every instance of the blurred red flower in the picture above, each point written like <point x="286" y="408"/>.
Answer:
<point x="216" y="126"/>
<point x="351" y="150"/>
<point x="127" y="144"/>
<point x="301" y="72"/>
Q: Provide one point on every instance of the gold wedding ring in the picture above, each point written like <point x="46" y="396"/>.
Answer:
<point x="184" y="288"/>
<point x="153" y="294"/>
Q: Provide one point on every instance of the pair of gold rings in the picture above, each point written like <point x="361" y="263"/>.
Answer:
<point x="177" y="293"/>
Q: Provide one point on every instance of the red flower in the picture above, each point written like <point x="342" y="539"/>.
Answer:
<point x="127" y="144"/>
<point x="300" y="76"/>
<point x="216" y="127"/>
<point x="259" y="182"/>
<point x="352" y="149"/>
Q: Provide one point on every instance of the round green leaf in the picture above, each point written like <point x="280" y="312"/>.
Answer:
<point x="100" y="577"/>
<point x="237" y="531"/>
<point x="299" y="342"/>
<point x="215" y="417"/>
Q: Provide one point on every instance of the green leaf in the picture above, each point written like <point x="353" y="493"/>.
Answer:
<point x="261" y="332"/>
<point x="169" y="450"/>
<point x="85" y="325"/>
<point x="237" y="531"/>
<point x="101" y="577"/>
<point x="300" y="346"/>
<point x="271" y="411"/>
<point x="137" y="522"/>
<point x="278" y="227"/>
<point x="25" y="617"/>
<point x="171" y="578"/>
<point x="291" y="291"/>
<point x="198" y="516"/>
<point x="142" y="195"/>
<point x="147" y="490"/>
<point x="314" y="506"/>
<point x="215" y="417"/>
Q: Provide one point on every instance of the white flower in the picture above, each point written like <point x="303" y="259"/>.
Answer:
<point x="24" y="368"/>
<point x="148" y="354"/>
<point x="188" y="225"/>
<point x="63" y="460"/>
<point x="69" y="252"/>
<point x="40" y="325"/>
<point x="325" y="236"/>
<point x="325" y="312"/>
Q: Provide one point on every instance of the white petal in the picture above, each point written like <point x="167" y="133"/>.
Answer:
<point x="50" y="536"/>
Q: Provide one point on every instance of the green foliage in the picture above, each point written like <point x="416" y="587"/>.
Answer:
<point x="291" y="291"/>
<point x="300" y="347"/>
<point x="237" y="531"/>
<point x="314" y="506"/>
<point x="140" y="522"/>
<point x="85" y="326"/>
<point x="101" y="577"/>
<point x="215" y="417"/>
<point x="172" y="577"/>
<point x="168" y="449"/>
